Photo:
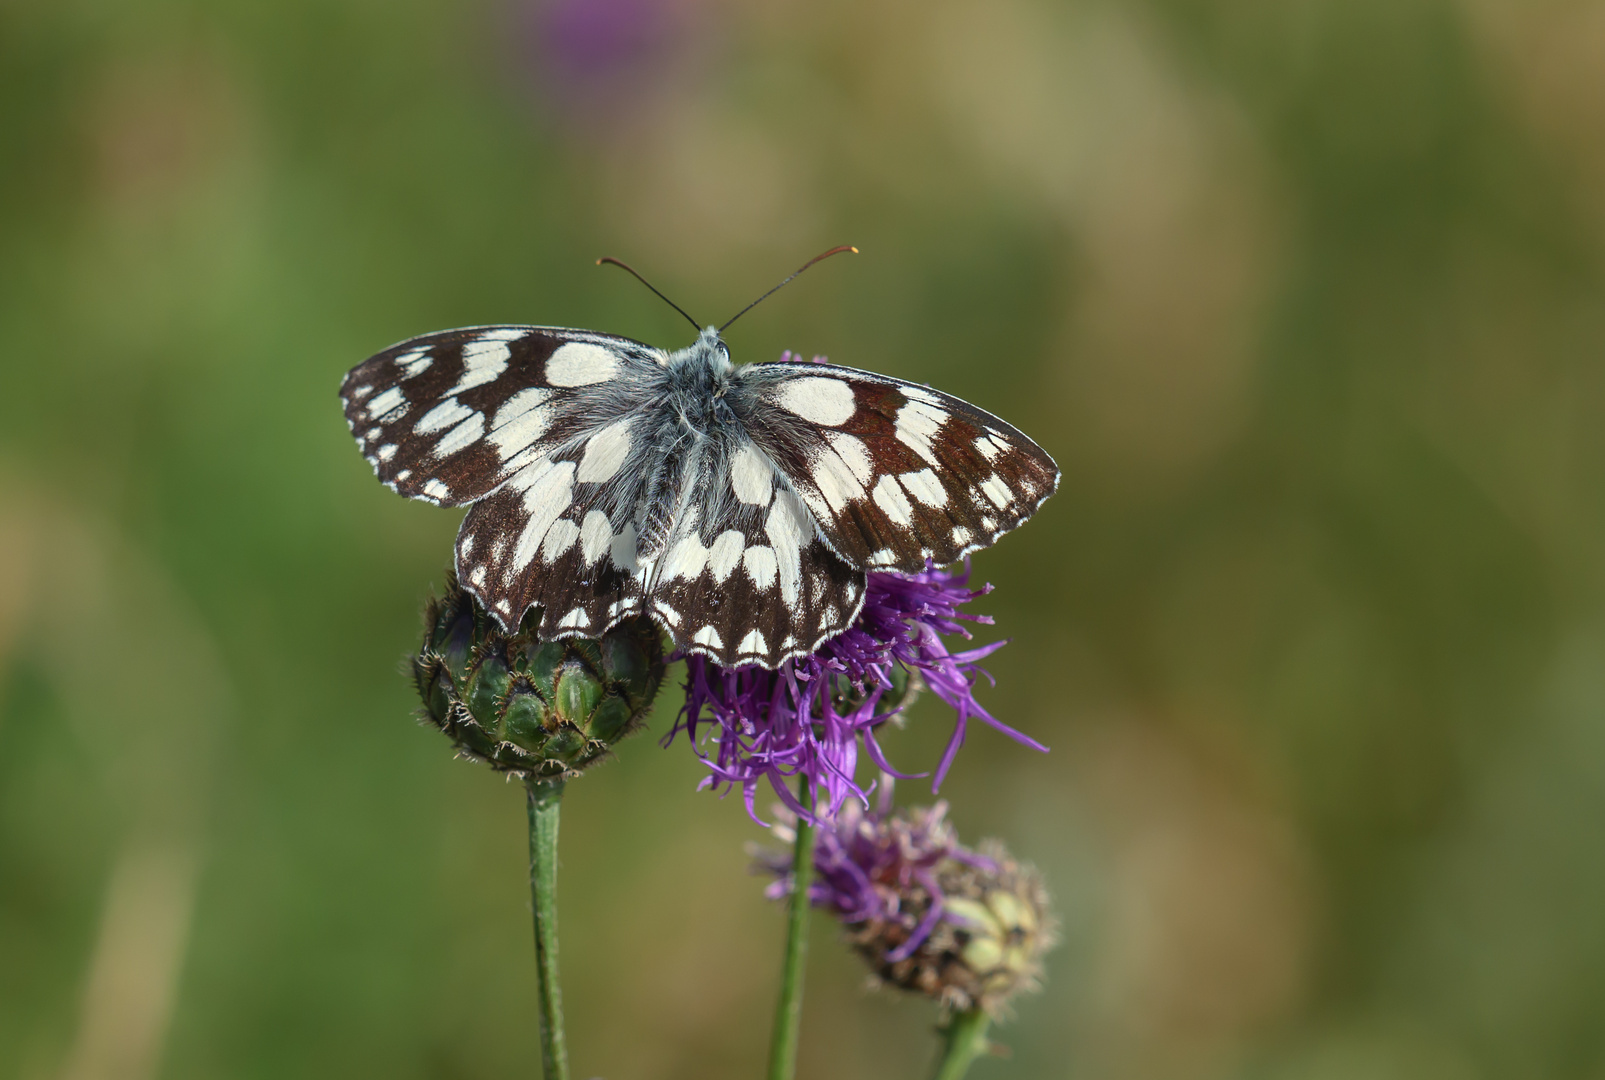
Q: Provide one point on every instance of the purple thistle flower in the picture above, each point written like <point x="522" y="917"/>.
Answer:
<point x="929" y="915"/>
<point x="809" y="717"/>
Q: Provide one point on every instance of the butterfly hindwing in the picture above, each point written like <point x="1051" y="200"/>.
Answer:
<point x="894" y="474"/>
<point x="449" y="417"/>
<point x="745" y="577"/>
<point x="547" y="539"/>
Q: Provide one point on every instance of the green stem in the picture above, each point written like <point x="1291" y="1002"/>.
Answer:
<point x="545" y="802"/>
<point x="788" y="1011"/>
<point x="966" y="1041"/>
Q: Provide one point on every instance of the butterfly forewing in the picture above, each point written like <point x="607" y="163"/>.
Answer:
<point x="449" y="417"/>
<point x="895" y="474"/>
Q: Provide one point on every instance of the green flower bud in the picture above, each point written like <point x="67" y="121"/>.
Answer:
<point x="534" y="709"/>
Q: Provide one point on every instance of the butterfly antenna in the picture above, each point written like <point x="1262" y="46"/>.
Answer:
<point x="648" y="284"/>
<point x="817" y="258"/>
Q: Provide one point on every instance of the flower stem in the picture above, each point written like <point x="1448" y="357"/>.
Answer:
<point x="966" y="1041"/>
<point x="545" y="802"/>
<point x="788" y="1011"/>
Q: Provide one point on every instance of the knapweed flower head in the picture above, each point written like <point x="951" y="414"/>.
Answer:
<point x="533" y="709"/>
<point x="811" y="716"/>
<point x="965" y="927"/>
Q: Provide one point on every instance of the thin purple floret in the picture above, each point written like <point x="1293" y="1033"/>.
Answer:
<point x="866" y="862"/>
<point x="778" y="725"/>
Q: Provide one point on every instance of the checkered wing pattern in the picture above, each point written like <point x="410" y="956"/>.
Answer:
<point x="740" y="507"/>
<point x="893" y="473"/>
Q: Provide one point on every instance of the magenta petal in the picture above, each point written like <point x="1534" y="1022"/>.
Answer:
<point x="778" y="725"/>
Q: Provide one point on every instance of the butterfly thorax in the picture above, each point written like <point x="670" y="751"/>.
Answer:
<point x="692" y="412"/>
<point x="702" y="371"/>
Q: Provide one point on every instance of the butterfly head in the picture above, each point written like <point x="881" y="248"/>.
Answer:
<point x="708" y="357"/>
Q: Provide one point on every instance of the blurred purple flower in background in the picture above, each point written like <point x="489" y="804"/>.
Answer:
<point x="592" y="57"/>
<point x="809" y="717"/>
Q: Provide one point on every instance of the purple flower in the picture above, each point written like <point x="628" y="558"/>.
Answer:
<point x="809" y="717"/>
<point x="929" y="915"/>
<point x="598" y="60"/>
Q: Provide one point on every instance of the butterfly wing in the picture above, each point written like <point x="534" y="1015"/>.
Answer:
<point x="449" y="417"/>
<point x="534" y="427"/>
<point x="744" y="577"/>
<point x="559" y="537"/>
<point x="893" y="473"/>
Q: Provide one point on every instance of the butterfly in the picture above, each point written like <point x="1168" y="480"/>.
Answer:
<point x="740" y="507"/>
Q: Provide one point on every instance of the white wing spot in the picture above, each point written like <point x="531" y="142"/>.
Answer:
<point x="996" y="491"/>
<point x="605" y="452"/>
<point x="925" y="487"/>
<point x="447" y="414"/>
<point x="686" y="559"/>
<point x="414" y="363"/>
<point x="521" y="420"/>
<point x="890" y="498"/>
<point x="760" y="563"/>
<point x="724" y="554"/>
<point x="816" y="503"/>
<point x="477" y="575"/>
<point x="919" y="393"/>
<point x="962" y="536"/>
<point x="483" y="361"/>
<point x="854" y="454"/>
<point x="818" y="399"/>
<point x="751" y="478"/>
<point x="392" y="398"/>
<point x="596" y="536"/>
<point x="788" y="527"/>
<point x="580" y="364"/>
<point x="989" y="524"/>
<point x="403" y="474"/>
<point x="753" y="644"/>
<point x="834" y="479"/>
<point x="576" y="619"/>
<point x="463" y="435"/>
<point x="436" y="490"/>
<point x="548" y="492"/>
<point x="359" y="392"/>
<point x="710" y="637"/>
<point x="883" y="557"/>
<point x="559" y="538"/>
<point x="387" y="451"/>
<point x="831" y="615"/>
<point x="917" y="423"/>
<point x="991" y="447"/>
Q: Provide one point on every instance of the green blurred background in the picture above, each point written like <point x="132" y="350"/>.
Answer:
<point x="1304" y="296"/>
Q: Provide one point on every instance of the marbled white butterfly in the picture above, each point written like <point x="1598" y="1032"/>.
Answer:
<point x="739" y="506"/>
